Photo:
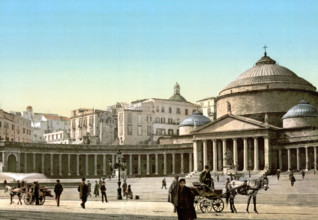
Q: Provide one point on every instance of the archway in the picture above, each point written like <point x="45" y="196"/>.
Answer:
<point x="12" y="163"/>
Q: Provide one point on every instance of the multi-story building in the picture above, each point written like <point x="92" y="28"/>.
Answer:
<point x="14" y="128"/>
<point x="59" y="137"/>
<point x="208" y="107"/>
<point x="145" y="121"/>
<point x="92" y="126"/>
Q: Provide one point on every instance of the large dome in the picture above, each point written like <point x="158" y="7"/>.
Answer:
<point x="266" y="71"/>
<point x="196" y="119"/>
<point x="303" y="109"/>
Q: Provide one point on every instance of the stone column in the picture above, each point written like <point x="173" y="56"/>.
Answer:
<point x="139" y="164"/>
<point x="156" y="164"/>
<point x="77" y="165"/>
<point x="51" y="167"/>
<point x="256" y="166"/>
<point x="307" y="159"/>
<point x="95" y="164"/>
<point x="315" y="158"/>
<point x="195" y="155"/>
<point x="173" y="163"/>
<point x="280" y="159"/>
<point x="220" y="162"/>
<point x="60" y="164"/>
<point x="104" y="164"/>
<point x="288" y="159"/>
<point x="235" y="153"/>
<point x="224" y="153"/>
<point x="190" y="162"/>
<point x="148" y="165"/>
<point x="42" y="168"/>
<point x="245" y="153"/>
<point x="130" y="164"/>
<point x="34" y="164"/>
<point x="267" y="153"/>
<point x="18" y="164"/>
<point x="3" y="162"/>
<point x="164" y="163"/>
<point x="215" y="156"/>
<point x="181" y="156"/>
<point x="298" y="159"/>
<point x="69" y="164"/>
<point x="86" y="162"/>
<point x="205" y="153"/>
<point x="25" y="161"/>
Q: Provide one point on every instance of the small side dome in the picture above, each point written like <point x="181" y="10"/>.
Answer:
<point x="302" y="109"/>
<point x="301" y="115"/>
<point x="197" y="119"/>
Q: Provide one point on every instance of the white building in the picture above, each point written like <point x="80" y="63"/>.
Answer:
<point x="145" y="121"/>
<point x="208" y="107"/>
<point x="59" y="137"/>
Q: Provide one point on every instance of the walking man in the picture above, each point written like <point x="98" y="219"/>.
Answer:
<point x="173" y="193"/>
<point x="185" y="206"/>
<point x="83" y="192"/>
<point x="303" y="174"/>
<point x="58" y="189"/>
<point x="164" y="183"/>
<point x="96" y="189"/>
<point x="124" y="188"/>
<point x="36" y="193"/>
<point x="103" y="191"/>
<point x="89" y="186"/>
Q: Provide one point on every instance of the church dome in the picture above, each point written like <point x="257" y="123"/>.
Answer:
<point x="177" y="97"/>
<point x="196" y="119"/>
<point x="302" y="109"/>
<point x="266" y="71"/>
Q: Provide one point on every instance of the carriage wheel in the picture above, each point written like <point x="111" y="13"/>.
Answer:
<point x="27" y="199"/>
<point x="218" y="205"/>
<point x="205" y="206"/>
<point x="197" y="201"/>
<point x="41" y="200"/>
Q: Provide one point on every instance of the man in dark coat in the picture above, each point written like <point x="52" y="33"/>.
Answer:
<point x="185" y="206"/>
<point x="36" y="193"/>
<point x="58" y="189"/>
<point x="103" y="191"/>
<point x="173" y="193"/>
<point x="83" y="190"/>
<point x="205" y="176"/>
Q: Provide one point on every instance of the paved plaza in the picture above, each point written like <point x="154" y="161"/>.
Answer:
<point x="281" y="201"/>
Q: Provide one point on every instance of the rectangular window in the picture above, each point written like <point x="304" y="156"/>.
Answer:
<point x="170" y="132"/>
<point x="120" y="119"/>
<point x="169" y="120"/>
<point x="73" y="123"/>
<point x="157" y="108"/>
<point x="13" y="127"/>
<point x="129" y="118"/>
<point x="149" y="132"/>
<point x="178" y="110"/>
<point x="0" y="124"/>
<point x="158" y="131"/>
<point x="23" y="130"/>
<point x="85" y="122"/>
<point x="163" y="132"/>
<point x="91" y="120"/>
<point x="129" y="129"/>
<point x="80" y="124"/>
<point x="162" y="109"/>
<point x="186" y="112"/>
<point x="162" y="120"/>
<point x="139" y="130"/>
<point x="139" y="119"/>
<point x="170" y="110"/>
<point x="158" y="120"/>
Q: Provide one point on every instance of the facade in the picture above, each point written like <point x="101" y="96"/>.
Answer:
<point x="14" y="128"/>
<point x="145" y="121"/>
<point x="92" y="126"/>
<point x="208" y="107"/>
<point x="58" y="137"/>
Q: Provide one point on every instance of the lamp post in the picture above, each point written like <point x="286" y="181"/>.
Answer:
<point x="119" y="164"/>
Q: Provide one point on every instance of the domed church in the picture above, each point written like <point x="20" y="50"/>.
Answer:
<point x="267" y="119"/>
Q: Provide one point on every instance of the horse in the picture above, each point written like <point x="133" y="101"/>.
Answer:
<point x="14" y="192"/>
<point x="248" y="188"/>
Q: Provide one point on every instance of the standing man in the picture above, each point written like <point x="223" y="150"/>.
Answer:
<point x="173" y="193"/>
<point x="185" y="206"/>
<point x="303" y="174"/>
<point x="124" y="188"/>
<point x="227" y="190"/>
<point x="96" y="189"/>
<point x="83" y="190"/>
<point x="164" y="183"/>
<point x="89" y="185"/>
<point x="58" y="189"/>
<point x="36" y="192"/>
<point x="278" y="174"/>
<point x="103" y="191"/>
<point x="205" y="176"/>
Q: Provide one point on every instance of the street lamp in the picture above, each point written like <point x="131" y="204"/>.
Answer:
<point x="119" y="164"/>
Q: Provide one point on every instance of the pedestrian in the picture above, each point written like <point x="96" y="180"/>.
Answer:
<point x="58" y="189"/>
<point x="83" y="192"/>
<point x="205" y="176"/>
<point x="218" y="178"/>
<point x="227" y="190"/>
<point x="124" y="188"/>
<point x="292" y="180"/>
<point x="129" y="193"/>
<point x="103" y="191"/>
<point x="185" y="206"/>
<point x="89" y="186"/>
<point x="173" y="193"/>
<point x="18" y="184"/>
<point x="96" y="189"/>
<point x="22" y="183"/>
<point x="303" y="174"/>
<point x="36" y="192"/>
<point x="164" y="183"/>
<point x="5" y="182"/>
<point x="278" y="174"/>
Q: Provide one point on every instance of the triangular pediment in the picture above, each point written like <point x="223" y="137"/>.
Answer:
<point x="231" y="123"/>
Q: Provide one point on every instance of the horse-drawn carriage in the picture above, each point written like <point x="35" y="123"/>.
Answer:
<point x="206" y="199"/>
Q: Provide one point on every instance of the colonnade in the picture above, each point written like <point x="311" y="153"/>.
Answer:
<point x="298" y="162"/>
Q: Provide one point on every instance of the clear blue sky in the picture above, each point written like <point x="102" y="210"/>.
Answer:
<point x="62" y="55"/>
